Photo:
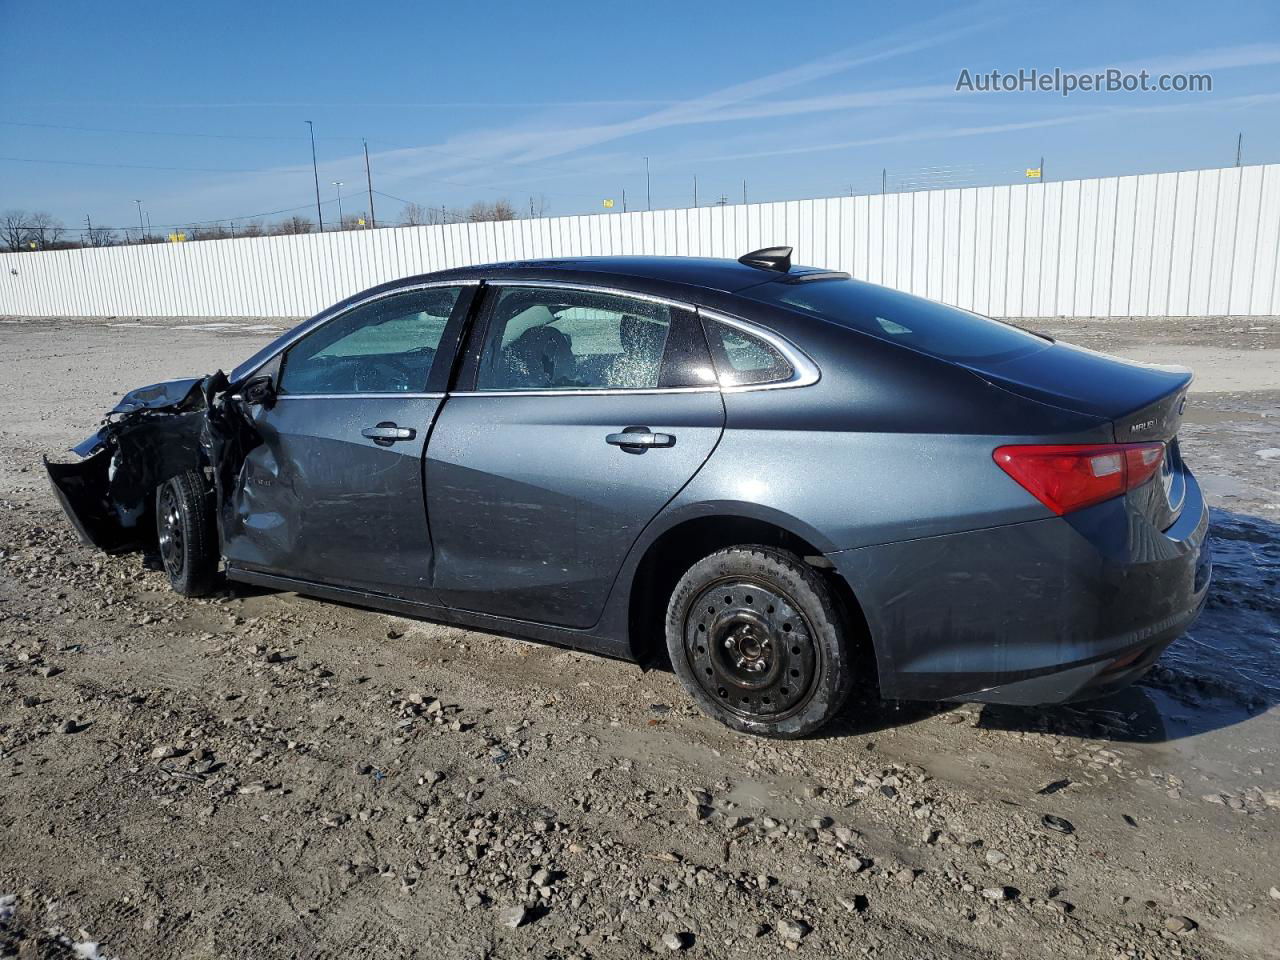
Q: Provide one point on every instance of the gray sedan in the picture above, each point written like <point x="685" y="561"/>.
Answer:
<point x="778" y="478"/>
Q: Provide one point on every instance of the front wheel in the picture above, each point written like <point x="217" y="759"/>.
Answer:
<point x="186" y="533"/>
<point x="756" y="637"/>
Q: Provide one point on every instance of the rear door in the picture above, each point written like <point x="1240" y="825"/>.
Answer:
<point x="333" y="493"/>
<point x="582" y="413"/>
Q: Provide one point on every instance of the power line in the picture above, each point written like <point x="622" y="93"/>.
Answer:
<point x="444" y="214"/>
<point x="160" y="133"/>
<point x="134" y="166"/>
<point x="493" y="161"/>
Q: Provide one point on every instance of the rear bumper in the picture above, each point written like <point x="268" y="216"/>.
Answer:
<point x="1038" y="612"/>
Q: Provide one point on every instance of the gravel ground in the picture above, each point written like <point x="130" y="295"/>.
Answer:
<point x="262" y="775"/>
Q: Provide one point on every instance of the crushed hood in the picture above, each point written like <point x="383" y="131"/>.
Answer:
<point x="159" y="396"/>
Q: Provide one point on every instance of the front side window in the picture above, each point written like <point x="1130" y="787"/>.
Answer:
<point x="386" y="346"/>
<point x="742" y="359"/>
<point x="552" y="339"/>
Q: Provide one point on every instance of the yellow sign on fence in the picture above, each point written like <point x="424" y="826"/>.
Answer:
<point x="608" y="204"/>
<point x="1033" y="173"/>
<point x="177" y="237"/>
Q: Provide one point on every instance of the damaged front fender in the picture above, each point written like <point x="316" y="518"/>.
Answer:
<point x="152" y="434"/>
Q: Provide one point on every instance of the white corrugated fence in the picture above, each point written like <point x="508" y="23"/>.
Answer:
<point x="1198" y="242"/>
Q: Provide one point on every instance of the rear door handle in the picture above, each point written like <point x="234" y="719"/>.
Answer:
<point x="640" y="438"/>
<point x="386" y="433"/>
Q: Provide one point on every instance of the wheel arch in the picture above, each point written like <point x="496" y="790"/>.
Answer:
<point x="683" y="541"/>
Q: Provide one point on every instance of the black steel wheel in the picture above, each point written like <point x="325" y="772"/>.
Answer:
<point x="756" y="637"/>
<point x="186" y="534"/>
<point x="169" y="531"/>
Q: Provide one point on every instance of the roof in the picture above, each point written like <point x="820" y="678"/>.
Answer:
<point x="708" y="273"/>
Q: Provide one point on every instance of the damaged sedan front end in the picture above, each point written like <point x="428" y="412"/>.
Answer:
<point x="153" y="433"/>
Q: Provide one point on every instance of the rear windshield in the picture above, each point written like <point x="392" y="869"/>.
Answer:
<point x="932" y="328"/>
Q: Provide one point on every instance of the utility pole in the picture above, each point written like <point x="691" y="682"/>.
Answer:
<point x="315" y="171"/>
<point x="1042" y="169"/>
<point x="624" y="199"/>
<point x="1239" y="147"/>
<point x="338" y="184"/>
<point x="369" y="179"/>
<point x="141" y="228"/>
<point x="884" y="180"/>
<point x="648" y="196"/>
<point x="744" y="192"/>
<point x="88" y="235"/>
<point x="695" y="190"/>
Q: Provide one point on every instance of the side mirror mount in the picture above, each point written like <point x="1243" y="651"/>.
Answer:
<point x="259" y="390"/>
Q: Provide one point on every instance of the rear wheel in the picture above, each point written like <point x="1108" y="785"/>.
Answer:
<point x="186" y="534"/>
<point x="756" y="637"/>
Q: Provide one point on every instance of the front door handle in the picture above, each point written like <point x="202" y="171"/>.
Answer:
<point x="640" y="438"/>
<point x="386" y="433"/>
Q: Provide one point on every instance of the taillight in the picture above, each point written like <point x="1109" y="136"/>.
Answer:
<point x="1070" y="476"/>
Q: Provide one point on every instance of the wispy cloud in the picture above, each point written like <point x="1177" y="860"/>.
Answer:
<point x="953" y="132"/>
<point x="540" y="150"/>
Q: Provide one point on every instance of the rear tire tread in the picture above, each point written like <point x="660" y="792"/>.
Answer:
<point x="819" y="606"/>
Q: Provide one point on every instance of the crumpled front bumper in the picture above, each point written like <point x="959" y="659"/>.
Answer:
<point x="152" y="434"/>
<point x="82" y="488"/>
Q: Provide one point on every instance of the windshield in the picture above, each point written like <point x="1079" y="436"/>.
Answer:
<point x="932" y="328"/>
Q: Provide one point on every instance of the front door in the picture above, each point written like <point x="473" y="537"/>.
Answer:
<point x="334" y="492"/>
<point x="589" y="412"/>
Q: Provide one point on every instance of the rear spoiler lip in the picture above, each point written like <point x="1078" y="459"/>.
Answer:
<point x="1081" y="387"/>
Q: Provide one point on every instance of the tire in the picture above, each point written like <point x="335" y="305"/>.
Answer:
<point x="186" y="533"/>
<point x="757" y="639"/>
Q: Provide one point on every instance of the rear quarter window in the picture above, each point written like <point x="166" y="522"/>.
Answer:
<point x="933" y="328"/>
<point x="742" y="359"/>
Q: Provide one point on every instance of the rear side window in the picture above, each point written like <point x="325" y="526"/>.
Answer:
<point x="742" y="359"/>
<point x="941" y="331"/>
<point x="559" y="339"/>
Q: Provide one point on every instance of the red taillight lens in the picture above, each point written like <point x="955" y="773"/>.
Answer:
<point x="1071" y="476"/>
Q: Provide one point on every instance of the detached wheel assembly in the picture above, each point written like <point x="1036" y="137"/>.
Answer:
<point x="186" y="533"/>
<point x="756" y="637"/>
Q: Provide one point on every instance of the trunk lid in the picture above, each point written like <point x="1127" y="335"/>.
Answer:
<point x="1142" y="401"/>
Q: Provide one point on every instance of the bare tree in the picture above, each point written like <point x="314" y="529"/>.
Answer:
<point x="294" y="224"/>
<point x="13" y="229"/>
<point x="351" y="221"/>
<point x="414" y="215"/>
<point x="97" y="237"/>
<point x="538" y="206"/>
<point x="498" y="210"/>
<point x="207" y="231"/>
<point x="23" y="230"/>
<point x="251" y="229"/>
<point x="46" y="230"/>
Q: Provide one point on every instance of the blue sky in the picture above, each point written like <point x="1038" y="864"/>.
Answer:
<point x="481" y="100"/>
